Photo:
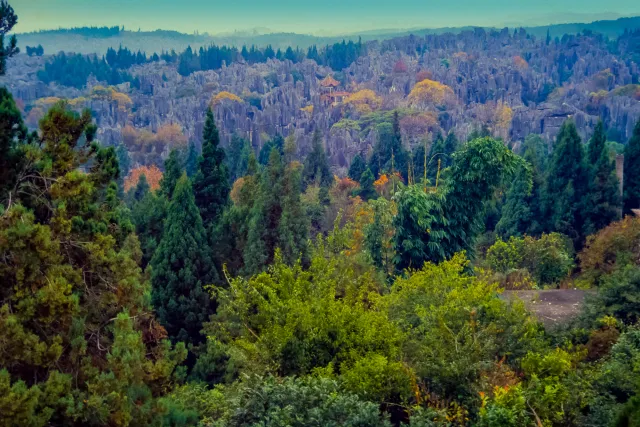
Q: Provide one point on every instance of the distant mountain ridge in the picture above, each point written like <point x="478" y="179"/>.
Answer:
<point x="98" y="39"/>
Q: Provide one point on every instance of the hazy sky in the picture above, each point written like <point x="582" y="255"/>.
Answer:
<point x="315" y="16"/>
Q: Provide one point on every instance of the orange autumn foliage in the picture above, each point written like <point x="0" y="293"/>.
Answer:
<point x="172" y="135"/>
<point x="151" y="173"/>
<point x="520" y="62"/>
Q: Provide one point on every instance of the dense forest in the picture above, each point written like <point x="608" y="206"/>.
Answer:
<point x="242" y="288"/>
<point x="74" y="69"/>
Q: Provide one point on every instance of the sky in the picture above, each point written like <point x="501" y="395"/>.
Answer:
<point x="319" y="17"/>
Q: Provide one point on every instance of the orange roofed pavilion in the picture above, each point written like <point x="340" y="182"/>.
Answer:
<point x="330" y="82"/>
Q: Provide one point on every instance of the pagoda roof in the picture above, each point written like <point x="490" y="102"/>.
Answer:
<point x="329" y="81"/>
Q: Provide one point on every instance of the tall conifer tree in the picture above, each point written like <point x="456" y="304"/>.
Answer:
<point x="316" y="165"/>
<point x="172" y="173"/>
<point x="632" y="171"/>
<point x="357" y="168"/>
<point x="601" y="204"/>
<point x="181" y="267"/>
<point x="567" y="182"/>
<point x="211" y="183"/>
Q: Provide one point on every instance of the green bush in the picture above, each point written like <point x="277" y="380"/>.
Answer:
<point x="549" y="259"/>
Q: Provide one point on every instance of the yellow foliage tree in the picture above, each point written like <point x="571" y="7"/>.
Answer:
<point x="503" y="116"/>
<point x="429" y="92"/>
<point x="224" y="95"/>
<point x="364" y="101"/>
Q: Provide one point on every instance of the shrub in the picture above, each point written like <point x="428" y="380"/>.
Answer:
<point x="548" y="259"/>
<point x="610" y="249"/>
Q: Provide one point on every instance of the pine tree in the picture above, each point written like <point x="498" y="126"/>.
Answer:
<point x="211" y="182"/>
<point x="632" y="171"/>
<point x="276" y="143"/>
<point x="172" y="173"/>
<point x="389" y="156"/>
<point x="367" y="190"/>
<point x="181" y="267"/>
<point x="277" y="217"/>
<point x="74" y="300"/>
<point x="601" y="204"/>
<point x="597" y="144"/>
<point x="13" y="132"/>
<point x="8" y="20"/>
<point x="566" y="184"/>
<point x="437" y="151"/>
<point x="516" y="213"/>
<point x="123" y="160"/>
<point x="237" y="157"/>
<point x="191" y="162"/>
<point x="357" y="168"/>
<point x="316" y="165"/>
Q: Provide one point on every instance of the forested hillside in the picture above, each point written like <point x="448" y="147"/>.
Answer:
<point x="148" y="277"/>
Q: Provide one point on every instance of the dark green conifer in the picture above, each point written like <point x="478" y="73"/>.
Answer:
<point x="389" y="156"/>
<point x="632" y="171"/>
<point x="367" y="190"/>
<point x="191" y="162"/>
<point x="277" y="217"/>
<point x="181" y="267"/>
<point x="211" y="182"/>
<point x="601" y="204"/>
<point x="357" y="168"/>
<point x="567" y="183"/>
<point x="8" y="19"/>
<point x="316" y="165"/>
<point x="172" y="173"/>
<point x="516" y="213"/>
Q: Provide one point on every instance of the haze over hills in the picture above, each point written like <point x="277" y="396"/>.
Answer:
<point x="88" y="40"/>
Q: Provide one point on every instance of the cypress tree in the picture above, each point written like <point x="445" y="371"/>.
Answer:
<point x="211" y="182"/>
<point x="566" y="184"/>
<point x="516" y="213"/>
<point x="597" y="144"/>
<point x="277" y="217"/>
<point x="367" y="190"/>
<point x="451" y="145"/>
<point x="237" y="157"/>
<point x="181" y="267"/>
<point x="172" y="173"/>
<point x="632" y="171"/>
<point x="276" y="143"/>
<point x="389" y="155"/>
<point x="602" y="201"/>
<point x="357" y="168"/>
<point x="316" y="165"/>
<point x="8" y="19"/>
<point x="12" y="131"/>
<point x="191" y="162"/>
<point x="436" y="151"/>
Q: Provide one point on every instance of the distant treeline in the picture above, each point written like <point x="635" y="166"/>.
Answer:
<point x="74" y="69"/>
<point x="101" y="32"/>
<point x="337" y="56"/>
<point x="35" y="50"/>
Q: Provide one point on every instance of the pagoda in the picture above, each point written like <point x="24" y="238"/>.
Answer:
<point x="330" y="94"/>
